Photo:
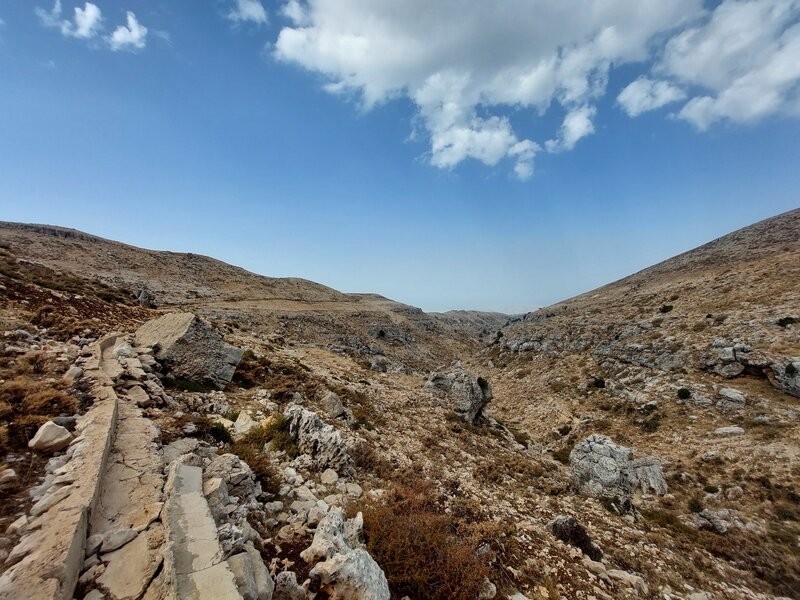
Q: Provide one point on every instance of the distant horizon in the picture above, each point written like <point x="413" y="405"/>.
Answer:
<point x="536" y="151"/>
<point x="378" y="293"/>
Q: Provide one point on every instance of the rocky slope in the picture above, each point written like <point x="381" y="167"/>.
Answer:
<point x="638" y="441"/>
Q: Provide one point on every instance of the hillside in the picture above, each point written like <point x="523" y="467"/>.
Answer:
<point x="475" y="479"/>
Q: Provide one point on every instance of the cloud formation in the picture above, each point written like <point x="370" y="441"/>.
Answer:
<point x="251" y="11"/>
<point x="132" y="37"/>
<point x="646" y="94"/>
<point x="470" y="67"/>
<point x="87" y="24"/>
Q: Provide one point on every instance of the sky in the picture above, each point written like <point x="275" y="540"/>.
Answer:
<point x="451" y="155"/>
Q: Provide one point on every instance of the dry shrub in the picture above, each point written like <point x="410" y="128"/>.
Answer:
<point x="260" y="464"/>
<point x="418" y="548"/>
<point x="14" y="391"/>
<point x="367" y="459"/>
<point x="50" y="402"/>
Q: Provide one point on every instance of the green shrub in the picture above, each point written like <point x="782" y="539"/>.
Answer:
<point x="786" y="321"/>
<point x="220" y="433"/>
<point x="790" y="370"/>
<point x="598" y="383"/>
<point x="711" y="489"/>
<point x="695" y="504"/>
<point x="665" y="308"/>
<point x="684" y="394"/>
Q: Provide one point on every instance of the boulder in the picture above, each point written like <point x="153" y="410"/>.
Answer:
<point x="730" y="400"/>
<point x="50" y="438"/>
<point x="346" y="570"/>
<point x="332" y="404"/>
<point x="602" y="469"/>
<point x="252" y="578"/>
<point x="351" y="575"/>
<point x="237" y="475"/>
<point x="190" y="349"/>
<point x="322" y="442"/>
<point x="729" y="430"/>
<point x="469" y="394"/>
<point x="243" y="424"/>
<point x="287" y="588"/>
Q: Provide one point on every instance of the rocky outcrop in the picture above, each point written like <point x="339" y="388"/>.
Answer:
<point x="469" y="394"/>
<point x="322" y="442"/>
<point x="602" y="469"/>
<point x="346" y="570"/>
<point x="731" y="359"/>
<point x="190" y="349"/>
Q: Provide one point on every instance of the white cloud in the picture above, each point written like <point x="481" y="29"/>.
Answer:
<point x="577" y="125"/>
<point x="646" y="94"/>
<point x="466" y="63"/>
<point x="132" y="37"/>
<point x="745" y="58"/>
<point x="85" y="24"/>
<point x="248" y="11"/>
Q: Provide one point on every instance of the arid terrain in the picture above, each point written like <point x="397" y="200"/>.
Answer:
<point x="460" y="437"/>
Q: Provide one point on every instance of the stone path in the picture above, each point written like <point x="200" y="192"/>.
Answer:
<point x="109" y="524"/>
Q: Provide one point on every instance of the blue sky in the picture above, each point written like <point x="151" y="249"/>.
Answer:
<point x="432" y="168"/>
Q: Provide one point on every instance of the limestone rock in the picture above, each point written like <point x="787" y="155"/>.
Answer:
<point x="323" y="442"/>
<point x="50" y="438"/>
<point x="351" y="575"/>
<point x="469" y="394"/>
<point x="730" y="400"/>
<point x="287" y="588"/>
<point x="252" y="578"/>
<point x="243" y="424"/>
<point x="190" y="349"/>
<point x="603" y="469"/>
<point x="729" y="430"/>
<point x="236" y="474"/>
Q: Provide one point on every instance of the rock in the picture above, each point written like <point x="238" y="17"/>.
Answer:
<point x="73" y="374"/>
<point x="287" y="588"/>
<point x="354" y="490"/>
<point x="351" y="575"/>
<point x="730" y="400"/>
<point x="243" y="424"/>
<point x="145" y="298"/>
<point x="190" y="349"/>
<point x="116" y="539"/>
<point x="488" y="591"/>
<point x="469" y="394"/>
<point x="630" y="581"/>
<point x="321" y="441"/>
<point x="7" y="476"/>
<point x="329" y="477"/>
<point x="50" y="438"/>
<point x="569" y="531"/>
<point x="334" y="535"/>
<point x="236" y="474"/>
<point x="729" y="430"/>
<point x="332" y="404"/>
<point x="252" y="577"/>
<point x="603" y="469"/>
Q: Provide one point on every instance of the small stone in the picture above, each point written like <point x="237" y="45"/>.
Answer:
<point x="329" y="477"/>
<point x="7" y="476"/>
<point x="354" y="490"/>
<point x="730" y="430"/>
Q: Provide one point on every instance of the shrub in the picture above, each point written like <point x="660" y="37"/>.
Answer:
<point x="419" y="548"/>
<point x="562" y="454"/>
<point x="695" y="504"/>
<point x="665" y="308"/>
<point x="790" y="370"/>
<point x="711" y="489"/>
<point x="684" y="394"/>
<point x="220" y="433"/>
<point x="598" y="383"/>
<point x="49" y="402"/>
<point x="564" y="429"/>
<point x="22" y="430"/>
<point x="786" y="321"/>
<point x="652" y="424"/>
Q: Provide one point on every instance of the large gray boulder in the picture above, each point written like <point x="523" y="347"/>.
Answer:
<point x="322" y="442"/>
<point x="346" y="570"/>
<point x="602" y="469"/>
<point x="469" y="394"/>
<point x="190" y="349"/>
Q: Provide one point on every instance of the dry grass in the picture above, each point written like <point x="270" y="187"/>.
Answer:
<point x="419" y="548"/>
